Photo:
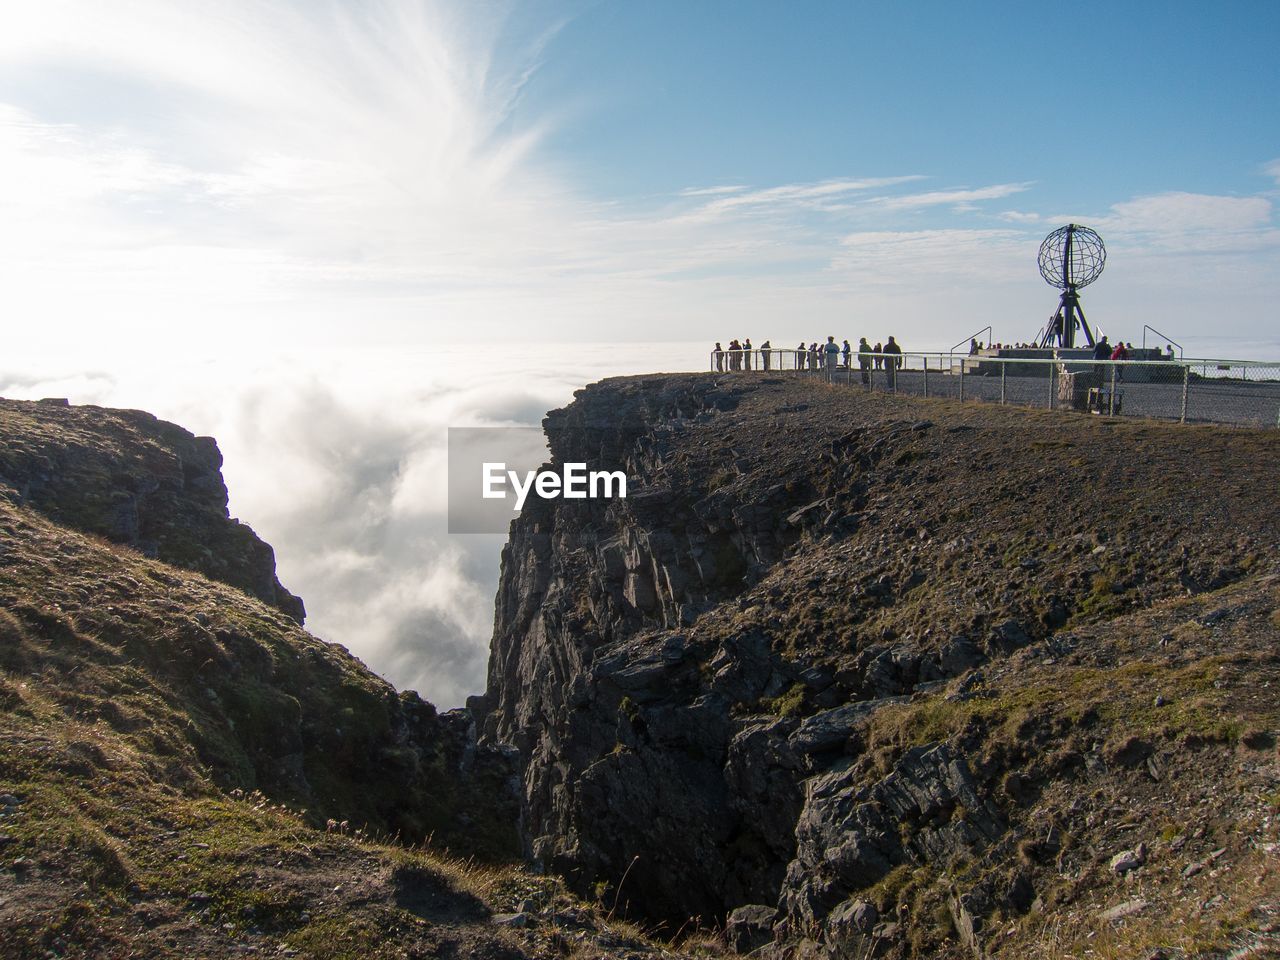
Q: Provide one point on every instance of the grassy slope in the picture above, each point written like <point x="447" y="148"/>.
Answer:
<point x="1102" y="537"/>
<point x="137" y="480"/>
<point x="139" y="707"/>
<point x="1099" y="741"/>
<point x="1099" y="538"/>
<point x="201" y="676"/>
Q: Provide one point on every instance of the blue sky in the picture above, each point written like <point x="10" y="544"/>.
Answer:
<point x="402" y="172"/>
<point x="1090" y="100"/>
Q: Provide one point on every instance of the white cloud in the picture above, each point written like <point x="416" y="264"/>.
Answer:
<point x="363" y="151"/>
<point x="712" y="191"/>
<point x="919" y="257"/>
<point x="825" y="194"/>
<point x="288" y="174"/>
<point x="961" y="198"/>
<point x="1192" y="221"/>
<point x="1018" y="216"/>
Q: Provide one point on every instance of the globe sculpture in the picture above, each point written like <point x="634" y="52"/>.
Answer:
<point x="1070" y="258"/>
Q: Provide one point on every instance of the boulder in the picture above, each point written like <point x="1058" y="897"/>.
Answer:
<point x="749" y="928"/>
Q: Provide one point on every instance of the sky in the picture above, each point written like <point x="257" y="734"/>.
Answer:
<point x="325" y="231"/>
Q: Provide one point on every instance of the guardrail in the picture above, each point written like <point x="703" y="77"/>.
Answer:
<point x="1192" y="390"/>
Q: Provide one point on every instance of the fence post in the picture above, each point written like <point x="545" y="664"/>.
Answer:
<point x="926" y="376"/>
<point x="961" y="379"/>
<point x="1186" y="390"/>
<point x="1051" y="368"/>
<point x="1004" y="369"/>
<point x="1111" y="399"/>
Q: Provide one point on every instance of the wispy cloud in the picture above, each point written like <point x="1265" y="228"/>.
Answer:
<point x="1181" y="217"/>
<point x="306" y="149"/>
<point x="712" y="191"/>
<point x="290" y="173"/>
<point x="822" y="195"/>
<point x="963" y="198"/>
<point x="908" y="258"/>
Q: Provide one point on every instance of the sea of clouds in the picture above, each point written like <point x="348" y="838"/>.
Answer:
<point x="339" y="461"/>
<point x="338" y="458"/>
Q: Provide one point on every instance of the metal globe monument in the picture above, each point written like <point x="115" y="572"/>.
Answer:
<point x="1071" y="257"/>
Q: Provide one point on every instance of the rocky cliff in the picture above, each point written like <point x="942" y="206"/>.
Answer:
<point x="224" y="686"/>
<point x="139" y="481"/>
<point x="183" y="770"/>
<point x="864" y="675"/>
<point x="844" y="676"/>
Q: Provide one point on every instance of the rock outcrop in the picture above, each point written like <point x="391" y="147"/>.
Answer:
<point x="138" y="481"/>
<point x="185" y="773"/>
<point x="774" y="687"/>
<point x="217" y="672"/>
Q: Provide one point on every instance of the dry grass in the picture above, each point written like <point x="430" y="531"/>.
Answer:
<point x="124" y="728"/>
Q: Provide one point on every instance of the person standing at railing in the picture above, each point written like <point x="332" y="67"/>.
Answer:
<point x="800" y="356"/>
<point x="878" y="351"/>
<point x="735" y="355"/>
<point x="864" y="360"/>
<point x="846" y="352"/>
<point x="832" y="351"/>
<point x="1119" y="354"/>
<point x="765" y="354"/>
<point x="718" y="353"/>
<point x="892" y="362"/>
<point x="1101" y="351"/>
<point x="746" y="353"/>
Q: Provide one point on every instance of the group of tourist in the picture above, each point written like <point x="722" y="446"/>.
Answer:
<point x="816" y="357"/>
<point x="1102" y="350"/>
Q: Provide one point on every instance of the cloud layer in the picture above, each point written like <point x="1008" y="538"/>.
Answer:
<point x="325" y="232"/>
<point x="341" y="465"/>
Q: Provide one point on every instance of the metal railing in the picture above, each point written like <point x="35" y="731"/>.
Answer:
<point x="1192" y="390"/>
<point x="969" y="340"/>
<point x="1146" y="327"/>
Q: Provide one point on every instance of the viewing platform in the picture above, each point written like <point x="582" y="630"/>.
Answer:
<point x="1149" y="384"/>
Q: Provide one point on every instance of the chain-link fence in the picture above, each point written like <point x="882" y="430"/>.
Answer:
<point x="1240" y="392"/>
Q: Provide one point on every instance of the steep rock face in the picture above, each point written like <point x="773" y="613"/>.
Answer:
<point x="185" y="773"/>
<point x="585" y="691"/>
<point x="136" y="480"/>
<point x="707" y="682"/>
<point x="212" y="678"/>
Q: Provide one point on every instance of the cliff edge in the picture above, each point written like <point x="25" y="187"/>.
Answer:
<point x="860" y="675"/>
<point x="184" y="771"/>
<point x="139" y="481"/>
